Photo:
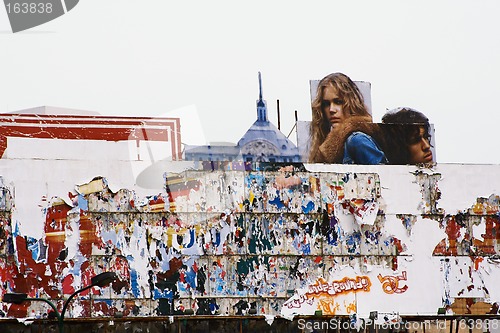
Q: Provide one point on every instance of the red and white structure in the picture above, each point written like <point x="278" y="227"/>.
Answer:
<point x="89" y="127"/>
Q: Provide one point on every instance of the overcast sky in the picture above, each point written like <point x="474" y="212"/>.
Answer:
<point x="202" y="58"/>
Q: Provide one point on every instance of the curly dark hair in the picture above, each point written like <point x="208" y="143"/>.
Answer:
<point x="401" y="127"/>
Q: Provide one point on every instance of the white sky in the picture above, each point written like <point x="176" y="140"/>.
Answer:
<point x="153" y="57"/>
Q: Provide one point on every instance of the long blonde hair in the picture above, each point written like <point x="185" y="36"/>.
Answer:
<point x="353" y="105"/>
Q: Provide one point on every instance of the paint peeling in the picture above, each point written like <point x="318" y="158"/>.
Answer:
<point x="428" y="183"/>
<point x="222" y="242"/>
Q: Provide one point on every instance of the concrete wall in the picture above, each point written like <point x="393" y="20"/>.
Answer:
<point x="343" y="240"/>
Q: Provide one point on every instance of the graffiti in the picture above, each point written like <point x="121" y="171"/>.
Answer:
<point x="298" y="301"/>
<point x="360" y="283"/>
<point x="350" y="308"/>
<point x="328" y="297"/>
<point x="391" y="284"/>
<point x="328" y="306"/>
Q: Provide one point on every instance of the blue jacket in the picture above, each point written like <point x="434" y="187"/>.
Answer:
<point x="360" y="148"/>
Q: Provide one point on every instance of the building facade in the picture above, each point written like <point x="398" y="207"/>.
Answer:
<point x="263" y="142"/>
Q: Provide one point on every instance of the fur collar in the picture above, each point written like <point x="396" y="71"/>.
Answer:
<point x="332" y="149"/>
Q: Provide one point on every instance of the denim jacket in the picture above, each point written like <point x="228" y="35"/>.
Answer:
<point x="360" y="148"/>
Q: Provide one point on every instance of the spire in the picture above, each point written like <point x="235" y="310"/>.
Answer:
<point x="261" y="104"/>
<point x="260" y="88"/>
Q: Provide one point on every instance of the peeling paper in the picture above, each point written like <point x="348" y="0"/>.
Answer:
<point x="96" y="185"/>
<point x="365" y="212"/>
<point x="429" y="189"/>
<point x="231" y="236"/>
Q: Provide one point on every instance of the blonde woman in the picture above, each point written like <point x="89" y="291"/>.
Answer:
<point x="341" y="129"/>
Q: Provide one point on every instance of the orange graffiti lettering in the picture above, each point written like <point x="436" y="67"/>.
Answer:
<point x="346" y="285"/>
<point x="328" y="307"/>
<point x="351" y="307"/>
<point x="390" y="284"/>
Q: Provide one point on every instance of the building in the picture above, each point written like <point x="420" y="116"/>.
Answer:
<point x="263" y="142"/>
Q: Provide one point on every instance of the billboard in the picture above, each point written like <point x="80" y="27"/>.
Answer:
<point x="342" y="130"/>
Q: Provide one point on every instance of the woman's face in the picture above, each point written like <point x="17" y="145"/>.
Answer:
<point x="332" y="106"/>
<point x="420" y="150"/>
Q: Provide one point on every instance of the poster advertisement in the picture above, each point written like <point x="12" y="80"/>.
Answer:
<point x="342" y="129"/>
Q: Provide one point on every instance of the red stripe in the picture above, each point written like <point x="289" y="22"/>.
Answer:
<point x="109" y="128"/>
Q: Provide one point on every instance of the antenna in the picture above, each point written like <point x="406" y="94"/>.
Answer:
<point x="279" y="120"/>
<point x="260" y="88"/>
<point x="294" y="126"/>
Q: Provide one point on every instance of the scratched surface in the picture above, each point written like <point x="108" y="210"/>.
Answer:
<point x="284" y="242"/>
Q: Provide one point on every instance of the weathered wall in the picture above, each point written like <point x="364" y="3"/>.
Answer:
<point x="340" y="239"/>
